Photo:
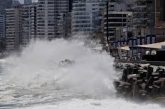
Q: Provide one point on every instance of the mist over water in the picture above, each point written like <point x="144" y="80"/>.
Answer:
<point x="61" y="74"/>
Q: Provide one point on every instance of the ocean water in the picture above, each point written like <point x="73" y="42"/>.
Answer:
<point x="62" y="74"/>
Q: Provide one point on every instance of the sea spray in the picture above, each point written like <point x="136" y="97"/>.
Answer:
<point x="39" y="66"/>
<point x="61" y="74"/>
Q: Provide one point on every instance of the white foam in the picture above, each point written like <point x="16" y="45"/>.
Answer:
<point x="37" y="70"/>
<point x="39" y="65"/>
<point x="97" y="104"/>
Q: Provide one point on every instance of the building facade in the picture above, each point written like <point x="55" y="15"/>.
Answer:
<point x="143" y="14"/>
<point x="144" y="19"/>
<point x="29" y="25"/>
<point x="160" y="19"/>
<point x="2" y="25"/>
<point x="129" y="22"/>
<point x="117" y="24"/>
<point x="21" y="26"/>
<point x="117" y="21"/>
<point x="13" y="28"/>
<point x="5" y="4"/>
<point x="50" y="18"/>
<point x="15" y="3"/>
<point x="27" y="2"/>
<point x="86" y="16"/>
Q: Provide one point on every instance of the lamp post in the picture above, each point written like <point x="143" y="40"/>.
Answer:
<point x="107" y="23"/>
<point x="107" y="27"/>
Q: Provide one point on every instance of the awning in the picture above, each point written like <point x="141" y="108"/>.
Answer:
<point x="154" y="45"/>
<point x="124" y="48"/>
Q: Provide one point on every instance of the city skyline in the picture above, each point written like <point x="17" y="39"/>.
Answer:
<point x="62" y="18"/>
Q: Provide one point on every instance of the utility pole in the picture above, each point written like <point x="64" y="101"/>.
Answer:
<point x="107" y="33"/>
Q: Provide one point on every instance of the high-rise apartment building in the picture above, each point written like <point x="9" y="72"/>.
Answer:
<point x="27" y="2"/>
<point x="144" y="19"/>
<point x="70" y="5"/>
<point x="50" y="18"/>
<point x="28" y="25"/>
<point x="81" y="19"/>
<point x="117" y="20"/>
<point x="21" y="25"/>
<point x="116" y="24"/>
<point x="15" y="3"/>
<point x="62" y="8"/>
<point x="5" y="4"/>
<point x="160" y="19"/>
<point x="160" y="13"/>
<point x="2" y="26"/>
<point x="13" y="28"/>
<point x="86" y="16"/>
